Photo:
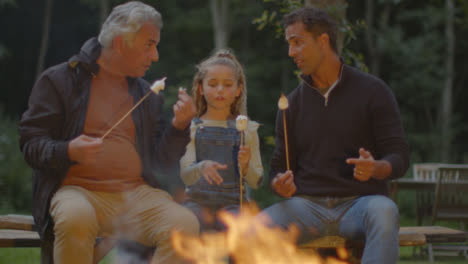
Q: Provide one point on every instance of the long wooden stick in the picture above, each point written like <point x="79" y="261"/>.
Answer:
<point x="131" y="110"/>
<point x="241" y="185"/>
<point x="286" y="139"/>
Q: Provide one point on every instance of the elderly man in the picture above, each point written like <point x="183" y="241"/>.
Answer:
<point x="345" y="142"/>
<point x="85" y="186"/>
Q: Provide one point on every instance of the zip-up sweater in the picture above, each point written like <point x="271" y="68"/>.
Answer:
<point x="360" y="111"/>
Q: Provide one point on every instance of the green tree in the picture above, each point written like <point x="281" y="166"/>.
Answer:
<point x="416" y="73"/>
<point x="15" y="176"/>
<point x="3" y="3"/>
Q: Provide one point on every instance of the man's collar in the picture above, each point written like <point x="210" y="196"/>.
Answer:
<point x="89" y="53"/>
<point x="309" y="81"/>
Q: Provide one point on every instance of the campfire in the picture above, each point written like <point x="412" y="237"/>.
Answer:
<point x="248" y="240"/>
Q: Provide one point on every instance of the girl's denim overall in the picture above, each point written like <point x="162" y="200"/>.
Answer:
<point x="221" y="145"/>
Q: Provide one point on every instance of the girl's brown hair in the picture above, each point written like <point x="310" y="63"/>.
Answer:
<point x="227" y="58"/>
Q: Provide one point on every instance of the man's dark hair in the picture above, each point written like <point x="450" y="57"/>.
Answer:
<point x="316" y="21"/>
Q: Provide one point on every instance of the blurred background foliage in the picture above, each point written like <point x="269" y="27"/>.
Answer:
<point x="404" y="42"/>
<point x="15" y="180"/>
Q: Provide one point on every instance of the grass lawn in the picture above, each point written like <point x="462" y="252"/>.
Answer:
<point x="32" y="256"/>
<point x="29" y="256"/>
<point x="406" y="257"/>
<point x="19" y="255"/>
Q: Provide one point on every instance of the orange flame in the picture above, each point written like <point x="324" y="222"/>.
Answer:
<point x="248" y="240"/>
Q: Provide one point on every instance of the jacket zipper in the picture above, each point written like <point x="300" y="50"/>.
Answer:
<point x="327" y="95"/>
<point x="315" y="89"/>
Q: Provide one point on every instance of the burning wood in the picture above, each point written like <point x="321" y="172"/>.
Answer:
<point x="248" y="240"/>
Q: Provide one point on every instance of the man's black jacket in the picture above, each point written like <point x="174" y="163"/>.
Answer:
<point x="56" y="114"/>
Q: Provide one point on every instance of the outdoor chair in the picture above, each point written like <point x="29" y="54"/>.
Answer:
<point x="450" y="204"/>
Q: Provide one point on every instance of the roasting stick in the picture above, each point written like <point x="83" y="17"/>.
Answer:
<point x="157" y="86"/>
<point x="241" y="125"/>
<point x="283" y="105"/>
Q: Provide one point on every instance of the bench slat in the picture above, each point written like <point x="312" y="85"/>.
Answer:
<point x="18" y="238"/>
<point x="408" y="236"/>
<point x="19" y="222"/>
<point x="437" y="234"/>
<point x="411" y="239"/>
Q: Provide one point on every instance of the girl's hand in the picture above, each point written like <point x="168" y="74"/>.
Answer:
<point x="209" y="171"/>
<point x="244" y="158"/>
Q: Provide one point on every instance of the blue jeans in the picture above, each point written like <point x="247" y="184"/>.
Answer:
<point x="207" y="216"/>
<point x="373" y="219"/>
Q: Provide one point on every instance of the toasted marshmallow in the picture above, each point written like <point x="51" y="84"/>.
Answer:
<point x="158" y="85"/>
<point x="241" y="122"/>
<point x="283" y="102"/>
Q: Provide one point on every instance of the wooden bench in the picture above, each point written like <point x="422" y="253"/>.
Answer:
<point x="408" y="236"/>
<point x="20" y="231"/>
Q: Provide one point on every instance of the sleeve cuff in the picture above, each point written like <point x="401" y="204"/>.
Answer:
<point x="180" y="132"/>
<point x="61" y="159"/>
<point x="397" y="163"/>
<point x="251" y="178"/>
<point x="192" y="174"/>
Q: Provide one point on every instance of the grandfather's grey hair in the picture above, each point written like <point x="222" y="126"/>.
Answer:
<point x="127" y="19"/>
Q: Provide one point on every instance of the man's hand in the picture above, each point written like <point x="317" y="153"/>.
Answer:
<point x="244" y="157"/>
<point x="84" y="149"/>
<point x="184" y="110"/>
<point x="283" y="184"/>
<point x="209" y="171"/>
<point x="367" y="167"/>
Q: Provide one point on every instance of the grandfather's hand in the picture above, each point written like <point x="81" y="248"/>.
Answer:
<point x="84" y="149"/>
<point x="367" y="167"/>
<point x="184" y="110"/>
<point x="283" y="184"/>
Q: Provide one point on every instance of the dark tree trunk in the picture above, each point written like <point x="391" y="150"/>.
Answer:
<point x="446" y="114"/>
<point x="219" y="12"/>
<point x="45" y="37"/>
<point x="103" y="10"/>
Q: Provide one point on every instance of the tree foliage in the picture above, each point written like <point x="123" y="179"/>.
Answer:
<point x="15" y="180"/>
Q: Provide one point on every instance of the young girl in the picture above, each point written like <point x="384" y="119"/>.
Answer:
<point x="210" y="166"/>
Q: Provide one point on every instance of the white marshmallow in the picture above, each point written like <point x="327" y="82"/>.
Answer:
<point x="158" y="85"/>
<point x="283" y="103"/>
<point x="241" y="122"/>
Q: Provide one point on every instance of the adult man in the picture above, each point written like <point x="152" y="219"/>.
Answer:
<point x="345" y="142"/>
<point x="85" y="186"/>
